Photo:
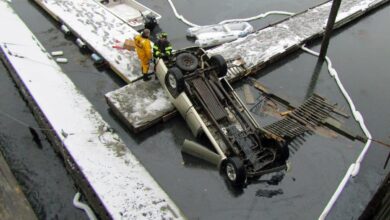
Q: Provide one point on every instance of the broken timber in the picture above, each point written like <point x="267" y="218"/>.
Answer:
<point x="313" y="112"/>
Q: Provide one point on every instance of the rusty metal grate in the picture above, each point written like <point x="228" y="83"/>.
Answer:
<point x="286" y="128"/>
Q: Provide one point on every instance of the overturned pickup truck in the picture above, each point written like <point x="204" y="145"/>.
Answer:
<point x="196" y="86"/>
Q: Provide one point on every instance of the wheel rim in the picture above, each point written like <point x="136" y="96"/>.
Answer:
<point x="172" y="81"/>
<point x="231" y="172"/>
<point x="188" y="61"/>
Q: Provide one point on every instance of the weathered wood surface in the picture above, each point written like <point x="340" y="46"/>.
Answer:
<point x="13" y="203"/>
<point x="100" y="29"/>
<point x="274" y="42"/>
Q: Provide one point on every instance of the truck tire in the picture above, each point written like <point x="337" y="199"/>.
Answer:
<point x="220" y="63"/>
<point x="174" y="81"/>
<point x="234" y="170"/>
<point x="282" y="150"/>
<point x="187" y="62"/>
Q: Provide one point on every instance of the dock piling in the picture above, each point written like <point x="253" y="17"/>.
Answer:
<point x="329" y="28"/>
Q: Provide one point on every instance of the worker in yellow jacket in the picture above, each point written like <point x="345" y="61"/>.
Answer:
<point x="144" y="51"/>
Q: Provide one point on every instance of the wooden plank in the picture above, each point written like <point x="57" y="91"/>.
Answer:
<point x="329" y="122"/>
<point x="13" y="203"/>
<point x="249" y="99"/>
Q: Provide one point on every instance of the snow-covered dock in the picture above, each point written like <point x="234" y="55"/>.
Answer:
<point x="113" y="180"/>
<point x="140" y="104"/>
<point x="257" y="51"/>
<point x="100" y="29"/>
<point x="274" y="42"/>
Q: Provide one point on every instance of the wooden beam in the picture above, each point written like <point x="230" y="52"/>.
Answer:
<point x="13" y="203"/>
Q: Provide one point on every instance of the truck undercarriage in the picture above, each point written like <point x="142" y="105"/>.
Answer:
<point x="250" y="150"/>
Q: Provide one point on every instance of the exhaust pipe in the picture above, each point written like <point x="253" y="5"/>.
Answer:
<point x="194" y="149"/>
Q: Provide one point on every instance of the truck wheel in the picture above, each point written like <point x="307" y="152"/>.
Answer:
<point x="187" y="62"/>
<point x="235" y="172"/>
<point x="219" y="62"/>
<point x="174" y="81"/>
<point x="282" y="151"/>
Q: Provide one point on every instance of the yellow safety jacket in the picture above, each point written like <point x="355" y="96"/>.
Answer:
<point x="143" y="48"/>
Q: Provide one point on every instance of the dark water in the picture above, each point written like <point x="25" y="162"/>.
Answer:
<point x="39" y="171"/>
<point x="359" y="52"/>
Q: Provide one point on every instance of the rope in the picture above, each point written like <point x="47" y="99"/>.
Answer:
<point x="180" y="17"/>
<point x="23" y="123"/>
<point x="83" y="206"/>
<point x="263" y="15"/>
<point x="257" y="16"/>
<point x="354" y="168"/>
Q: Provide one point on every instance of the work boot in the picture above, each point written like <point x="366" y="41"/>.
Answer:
<point x="146" y="77"/>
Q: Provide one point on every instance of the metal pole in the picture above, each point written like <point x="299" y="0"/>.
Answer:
<point x="329" y="28"/>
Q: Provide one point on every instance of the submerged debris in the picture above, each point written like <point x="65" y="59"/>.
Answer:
<point x="268" y="193"/>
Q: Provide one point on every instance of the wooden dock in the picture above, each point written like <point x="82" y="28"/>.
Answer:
<point x="13" y="203"/>
<point x="100" y="29"/>
<point x="140" y="104"/>
<point x="274" y="42"/>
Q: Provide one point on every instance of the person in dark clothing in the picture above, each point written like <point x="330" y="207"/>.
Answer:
<point x="162" y="48"/>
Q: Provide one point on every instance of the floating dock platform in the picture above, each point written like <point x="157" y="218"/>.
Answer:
<point x="114" y="182"/>
<point x="274" y="42"/>
<point x="141" y="104"/>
